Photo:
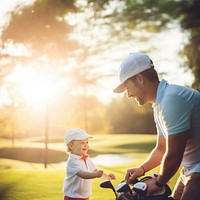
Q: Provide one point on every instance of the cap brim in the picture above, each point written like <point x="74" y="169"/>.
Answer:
<point x="119" y="89"/>
<point x="83" y="137"/>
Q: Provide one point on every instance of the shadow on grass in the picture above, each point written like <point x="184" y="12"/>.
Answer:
<point x="35" y="155"/>
<point x="143" y="147"/>
<point x="5" y="190"/>
<point x="127" y="148"/>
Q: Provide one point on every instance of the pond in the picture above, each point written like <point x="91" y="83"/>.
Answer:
<point x="112" y="159"/>
<point x="107" y="160"/>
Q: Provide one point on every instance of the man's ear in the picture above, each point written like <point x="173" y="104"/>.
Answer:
<point x="140" y="78"/>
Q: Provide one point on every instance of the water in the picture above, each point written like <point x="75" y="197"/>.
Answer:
<point x="107" y="160"/>
<point x="112" y="159"/>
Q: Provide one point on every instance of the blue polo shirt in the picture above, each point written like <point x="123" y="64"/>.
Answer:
<point x="177" y="109"/>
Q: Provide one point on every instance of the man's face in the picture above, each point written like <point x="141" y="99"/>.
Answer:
<point x="135" y="89"/>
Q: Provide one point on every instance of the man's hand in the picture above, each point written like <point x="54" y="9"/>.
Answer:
<point x="133" y="173"/>
<point x="152" y="188"/>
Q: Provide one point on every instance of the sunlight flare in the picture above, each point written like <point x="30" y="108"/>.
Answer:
<point x="34" y="86"/>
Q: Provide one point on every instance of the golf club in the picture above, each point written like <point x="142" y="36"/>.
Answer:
<point x="124" y="187"/>
<point x="140" y="188"/>
<point x="108" y="184"/>
<point x="138" y="191"/>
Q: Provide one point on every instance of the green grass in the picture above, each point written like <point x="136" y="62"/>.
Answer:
<point x="34" y="185"/>
<point x="20" y="180"/>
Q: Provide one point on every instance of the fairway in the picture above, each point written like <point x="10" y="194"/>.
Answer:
<point x="22" y="178"/>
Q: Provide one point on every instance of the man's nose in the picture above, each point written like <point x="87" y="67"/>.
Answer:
<point x="128" y="94"/>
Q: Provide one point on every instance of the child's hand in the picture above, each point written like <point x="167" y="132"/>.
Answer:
<point x="111" y="176"/>
<point x="99" y="173"/>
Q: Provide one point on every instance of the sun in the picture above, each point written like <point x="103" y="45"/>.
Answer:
<point x="34" y="86"/>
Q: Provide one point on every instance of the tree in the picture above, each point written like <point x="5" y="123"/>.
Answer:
<point x="191" y="23"/>
<point x="154" y="16"/>
<point x="42" y="28"/>
<point x="125" y="116"/>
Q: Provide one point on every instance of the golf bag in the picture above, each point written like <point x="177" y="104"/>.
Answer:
<point x="136" y="196"/>
<point x="138" y="192"/>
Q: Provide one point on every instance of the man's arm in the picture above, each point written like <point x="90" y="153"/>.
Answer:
<point x="151" y="162"/>
<point x="173" y="156"/>
<point x="156" y="155"/>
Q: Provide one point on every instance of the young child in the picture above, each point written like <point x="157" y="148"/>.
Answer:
<point x="80" y="169"/>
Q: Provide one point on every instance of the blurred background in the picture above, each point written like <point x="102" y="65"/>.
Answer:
<point x="59" y="63"/>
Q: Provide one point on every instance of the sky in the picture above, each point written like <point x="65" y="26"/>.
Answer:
<point x="165" y="58"/>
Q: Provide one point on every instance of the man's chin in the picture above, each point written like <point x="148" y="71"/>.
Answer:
<point x="140" y="103"/>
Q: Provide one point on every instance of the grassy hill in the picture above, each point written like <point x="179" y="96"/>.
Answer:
<point x="23" y="175"/>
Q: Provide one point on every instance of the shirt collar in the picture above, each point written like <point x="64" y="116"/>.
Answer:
<point x="71" y="155"/>
<point x="160" y="91"/>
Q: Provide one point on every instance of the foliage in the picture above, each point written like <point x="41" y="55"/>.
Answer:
<point x="191" y="23"/>
<point x="125" y="116"/>
<point x="68" y="111"/>
<point x="87" y="112"/>
<point x="155" y="16"/>
<point x="42" y="27"/>
<point x="50" y="34"/>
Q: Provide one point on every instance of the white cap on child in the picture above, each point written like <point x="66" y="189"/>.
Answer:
<point x="75" y="134"/>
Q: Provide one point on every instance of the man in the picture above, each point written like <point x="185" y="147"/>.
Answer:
<point x="177" y="117"/>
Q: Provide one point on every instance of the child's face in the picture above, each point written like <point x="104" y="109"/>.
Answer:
<point x="80" y="147"/>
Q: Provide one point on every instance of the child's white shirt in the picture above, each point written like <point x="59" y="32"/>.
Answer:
<point x="74" y="186"/>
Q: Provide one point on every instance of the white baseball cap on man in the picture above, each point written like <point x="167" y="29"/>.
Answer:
<point x="134" y="64"/>
<point x="75" y="134"/>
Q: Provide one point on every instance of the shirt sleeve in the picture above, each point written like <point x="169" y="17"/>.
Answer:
<point x="176" y="113"/>
<point x="73" y="166"/>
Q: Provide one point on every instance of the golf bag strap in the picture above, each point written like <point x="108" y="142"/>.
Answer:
<point x="163" y="196"/>
<point x="145" y="178"/>
<point x="69" y="198"/>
